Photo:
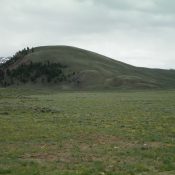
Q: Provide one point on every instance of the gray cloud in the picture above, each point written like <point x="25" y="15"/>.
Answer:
<point x="134" y="31"/>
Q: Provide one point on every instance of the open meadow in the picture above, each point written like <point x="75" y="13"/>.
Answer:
<point x="46" y="132"/>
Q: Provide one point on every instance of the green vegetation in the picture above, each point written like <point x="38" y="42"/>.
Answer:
<point x="18" y="56"/>
<point x="84" y="70"/>
<point x="49" y="132"/>
<point x="35" y="72"/>
<point x="46" y="132"/>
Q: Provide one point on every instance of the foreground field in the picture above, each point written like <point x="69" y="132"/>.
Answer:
<point x="87" y="133"/>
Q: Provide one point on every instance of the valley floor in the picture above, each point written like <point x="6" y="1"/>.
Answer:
<point x="87" y="133"/>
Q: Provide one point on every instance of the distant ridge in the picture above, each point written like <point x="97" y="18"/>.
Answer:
<point x="4" y="59"/>
<point x="68" y="67"/>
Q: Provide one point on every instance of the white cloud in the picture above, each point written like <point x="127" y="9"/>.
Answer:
<point x="137" y="32"/>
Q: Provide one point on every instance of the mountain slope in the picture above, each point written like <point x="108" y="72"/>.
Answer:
<point x="74" y="68"/>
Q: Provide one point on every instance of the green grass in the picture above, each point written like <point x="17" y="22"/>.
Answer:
<point x="46" y="132"/>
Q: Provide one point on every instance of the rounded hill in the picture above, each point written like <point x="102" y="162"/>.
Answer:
<point x="74" y="68"/>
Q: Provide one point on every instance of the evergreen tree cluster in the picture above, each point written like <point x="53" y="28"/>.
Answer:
<point x="19" y="55"/>
<point x="34" y="72"/>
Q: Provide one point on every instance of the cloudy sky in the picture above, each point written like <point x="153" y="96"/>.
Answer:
<point x="137" y="32"/>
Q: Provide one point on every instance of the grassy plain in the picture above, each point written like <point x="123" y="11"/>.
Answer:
<point x="45" y="132"/>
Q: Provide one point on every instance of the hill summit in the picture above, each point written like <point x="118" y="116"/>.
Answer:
<point x="73" y="68"/>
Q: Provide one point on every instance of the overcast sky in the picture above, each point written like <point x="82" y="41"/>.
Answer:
<point x="137" y="32"/>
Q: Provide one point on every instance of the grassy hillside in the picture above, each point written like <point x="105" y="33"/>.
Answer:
<point x="85" y="70"/>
